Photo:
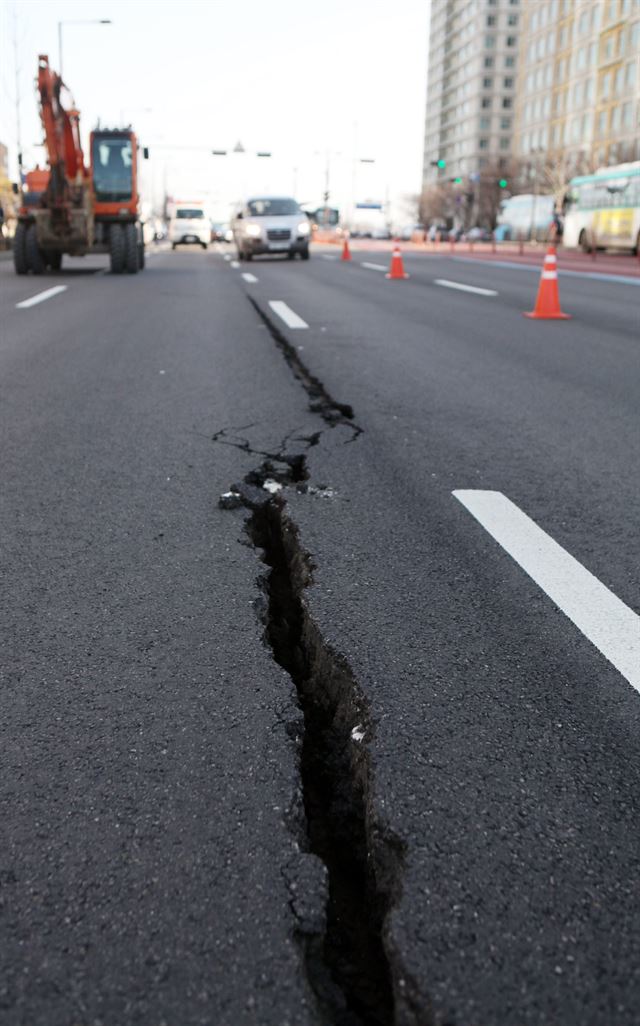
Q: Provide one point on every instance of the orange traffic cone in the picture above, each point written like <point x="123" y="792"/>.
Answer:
<point x="548" y="299"/>
<point x="397" y="267"/>
<point x="346" y="252"/>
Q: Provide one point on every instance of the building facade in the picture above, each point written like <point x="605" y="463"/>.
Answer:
<point x="578" y="87"/>
<point x="471" y="86"/>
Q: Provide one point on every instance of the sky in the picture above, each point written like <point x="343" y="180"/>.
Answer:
<point x="319" y="85"/>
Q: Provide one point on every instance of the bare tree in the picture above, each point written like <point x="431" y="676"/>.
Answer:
<point x="559" y="169"/>
<point x="435" y="203"/>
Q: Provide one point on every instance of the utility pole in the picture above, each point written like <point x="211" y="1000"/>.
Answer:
<point x="17" y="70"/>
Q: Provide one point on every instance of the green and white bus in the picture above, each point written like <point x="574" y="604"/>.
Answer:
<point x="603" y="209"/>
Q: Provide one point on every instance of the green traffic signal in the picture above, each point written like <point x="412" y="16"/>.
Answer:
<point x="503" y="183"/>
<point x="442" y="164"/>
<point x="457" y="181"/>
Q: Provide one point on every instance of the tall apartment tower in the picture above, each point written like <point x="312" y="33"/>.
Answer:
<point x="578" y="97"/>
<point x="473" y="56"/>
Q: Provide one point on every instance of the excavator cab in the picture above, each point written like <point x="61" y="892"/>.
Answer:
<point x="114" y="181"/>
<point x="113" y="173"/>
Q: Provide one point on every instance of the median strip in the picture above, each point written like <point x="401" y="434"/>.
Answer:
<point x="41" y="297"/>
<point x="286" y="314"/>
<point x="602" y="617"/>
<point x="464" y="288"/>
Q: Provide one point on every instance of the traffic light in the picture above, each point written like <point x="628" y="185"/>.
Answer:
<point x="457" y="181"/>
<point x="325" y="196"/>
<point x="502" y="183"/>
<point x="442" y="164"/>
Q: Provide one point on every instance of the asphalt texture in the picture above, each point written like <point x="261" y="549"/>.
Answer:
<point x="153" y="868"/>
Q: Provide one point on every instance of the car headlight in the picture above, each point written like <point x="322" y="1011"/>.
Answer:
<point x="303" y="228"/>
<point x="253" y="230"/>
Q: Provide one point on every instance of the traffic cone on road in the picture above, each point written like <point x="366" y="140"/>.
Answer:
<point x="397" y="267"/>
<point x="346" y="252"/>
<point x="548" y="299"/>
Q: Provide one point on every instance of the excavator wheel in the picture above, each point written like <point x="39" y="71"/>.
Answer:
<point x="131" y="261"/>
<point x="20" y="250"/>
<point x="116" y="249"/>
<point x="35" y="256"/>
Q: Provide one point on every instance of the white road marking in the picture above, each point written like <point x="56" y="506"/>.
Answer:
<point x="618" y="279"/>
<point x="41" y="296"/>
<point x="235" y="264"/>
<point x="464" y="288"/>
<point x="227" y="256"/>
<point x="329" y="256"/>
<point x="374" y="267"/>
<point x="251" y="278"/>
<point x="602" y="617"/>
<point x="289" y="317"/>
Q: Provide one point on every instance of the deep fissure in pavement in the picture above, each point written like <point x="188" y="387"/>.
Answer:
<point x="322" y="402"/>
<point x="348" y="967"/>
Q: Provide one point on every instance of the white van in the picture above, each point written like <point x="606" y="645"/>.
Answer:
<point x="188" y="224"/>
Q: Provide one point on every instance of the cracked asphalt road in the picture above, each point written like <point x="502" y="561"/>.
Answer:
<point x="155" y="866"/>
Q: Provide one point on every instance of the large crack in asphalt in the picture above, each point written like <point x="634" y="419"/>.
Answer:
<point x="322" y="403"/>
<point x="353" y="969"/>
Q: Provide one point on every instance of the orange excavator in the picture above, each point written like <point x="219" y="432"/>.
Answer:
<point x="80" y="210"/>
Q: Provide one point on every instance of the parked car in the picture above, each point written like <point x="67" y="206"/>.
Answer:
<point x="410" y="230"/>
<point x="479" y="234"/>
<point x="438" y="231"/>
<point x="271" y="224"/>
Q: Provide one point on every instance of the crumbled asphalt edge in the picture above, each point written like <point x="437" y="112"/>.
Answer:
<point x="331" y="411"/>
<point x="353" y="970"/>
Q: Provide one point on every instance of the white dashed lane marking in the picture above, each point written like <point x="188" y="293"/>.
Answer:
<point x="374" y="267"/>
<point x="251" y="278"/>
<point x="286" y="314"/>
<point x="464" y="288"/>
<point x="602" y="617"/>
<point x="41" y="297"/>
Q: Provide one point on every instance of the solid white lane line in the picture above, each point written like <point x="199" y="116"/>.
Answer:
<point x="374" y="267"/>
<point x="289" y="317"/>
<point x="41" y="296"/>
<point x="464" y="288"/>
<point x="603" y="618"/>
<point x="251" y="278"/>
<point x="235" y="264"/>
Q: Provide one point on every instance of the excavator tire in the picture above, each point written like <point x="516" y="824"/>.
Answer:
<point x="20" y="250"/>
<point x="35" y="256"/>
<point x="132" y="258"/>
<point x="116" y="249"/>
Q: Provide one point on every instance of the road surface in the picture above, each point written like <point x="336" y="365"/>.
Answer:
<point x="321" y="647"/>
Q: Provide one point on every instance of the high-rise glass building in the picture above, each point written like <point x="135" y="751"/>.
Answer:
<point x="473" y="68"/>
<point x="578" y="96"/>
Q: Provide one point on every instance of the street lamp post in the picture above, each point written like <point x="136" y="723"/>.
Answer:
<point x="77" y="21"/>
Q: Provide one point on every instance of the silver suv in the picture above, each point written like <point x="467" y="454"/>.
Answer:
<point x="271" y="224"/>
